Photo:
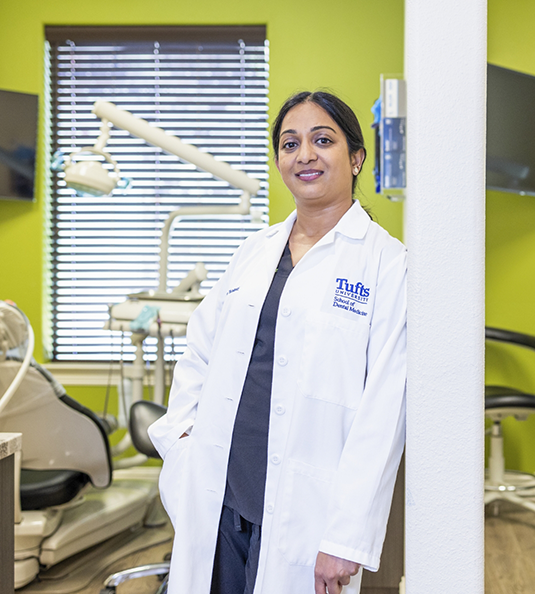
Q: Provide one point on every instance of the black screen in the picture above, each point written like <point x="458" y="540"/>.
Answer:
<point x="18" y="143"/>
<point x="510" y="131"/>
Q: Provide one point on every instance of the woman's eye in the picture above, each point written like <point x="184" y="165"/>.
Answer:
<point x="324" y="140"/>
<point x="289" y="145"/>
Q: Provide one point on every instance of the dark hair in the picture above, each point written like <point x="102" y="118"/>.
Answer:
<point x="339" y="111"/>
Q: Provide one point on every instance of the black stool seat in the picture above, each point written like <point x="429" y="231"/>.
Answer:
<point x="142" y="414"/>
<point x="505" y="397"/>
<point x="47" y="488"/>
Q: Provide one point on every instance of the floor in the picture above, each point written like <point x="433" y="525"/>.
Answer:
<point x="85" y="573"/>
<point x="510" y="551"/>
<point x="146" y="585"/>
<point x="509" y="559"/>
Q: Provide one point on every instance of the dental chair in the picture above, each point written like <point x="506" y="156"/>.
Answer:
<point x="142" y="414"/>
<point x="502" y="402"/>
<point x="69" y="497"/>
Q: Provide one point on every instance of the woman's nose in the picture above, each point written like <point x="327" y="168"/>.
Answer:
<point x="307" y="153"/>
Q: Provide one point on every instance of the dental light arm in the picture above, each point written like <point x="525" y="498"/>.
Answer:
<point x="172" y="144"/>
<point x="108" y="112"/>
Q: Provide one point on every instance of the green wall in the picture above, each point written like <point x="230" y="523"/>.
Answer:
<point x="510" y="274"/>
<point x="343" y="45"/>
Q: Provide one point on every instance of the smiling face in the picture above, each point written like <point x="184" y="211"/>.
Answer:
<point x="314" y="159"/>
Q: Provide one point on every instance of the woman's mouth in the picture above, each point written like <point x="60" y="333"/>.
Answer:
<point x="309" y="174"/>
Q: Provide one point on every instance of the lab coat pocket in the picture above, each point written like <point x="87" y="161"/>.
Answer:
<point x="303" y="512"/>
<point x="333" y="362"/>
<point x="170" y="476"/>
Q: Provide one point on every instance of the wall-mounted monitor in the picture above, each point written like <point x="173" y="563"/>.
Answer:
<point x="510" y="131"/>
<point x="18" y="145"/>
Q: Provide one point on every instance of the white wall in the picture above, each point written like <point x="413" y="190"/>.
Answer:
<point x="445" y="67"/>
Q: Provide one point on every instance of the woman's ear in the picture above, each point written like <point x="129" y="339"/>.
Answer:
<point x="357" y="159"/>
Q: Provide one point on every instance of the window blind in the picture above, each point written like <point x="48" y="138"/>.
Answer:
<point x="206" y="85"/>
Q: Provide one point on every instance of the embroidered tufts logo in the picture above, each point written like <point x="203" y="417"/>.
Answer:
<point x="348" y="295"/>
<point x="358" y="291"/>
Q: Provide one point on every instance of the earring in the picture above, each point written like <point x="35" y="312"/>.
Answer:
<point x="356" y="170"/>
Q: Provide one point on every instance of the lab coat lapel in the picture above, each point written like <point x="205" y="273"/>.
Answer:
<point x="262" y="273"/>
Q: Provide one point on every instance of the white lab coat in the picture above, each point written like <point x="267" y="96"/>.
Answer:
<point x="337" y="416"/>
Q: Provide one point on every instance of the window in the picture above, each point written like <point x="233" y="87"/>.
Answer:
<point x="206" y="85"/>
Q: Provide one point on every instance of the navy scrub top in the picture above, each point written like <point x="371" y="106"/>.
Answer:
<point x="247" y="467"/>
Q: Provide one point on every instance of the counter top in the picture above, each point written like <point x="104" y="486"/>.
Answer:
<point x="9" y="444"/>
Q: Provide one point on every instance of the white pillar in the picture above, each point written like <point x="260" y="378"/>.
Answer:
<point x="445" y="67"/>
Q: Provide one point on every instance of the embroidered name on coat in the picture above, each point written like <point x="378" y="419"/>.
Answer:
<point x="349" y="295"/>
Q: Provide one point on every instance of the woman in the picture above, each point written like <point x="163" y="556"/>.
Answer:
<point x="286" y="416"/>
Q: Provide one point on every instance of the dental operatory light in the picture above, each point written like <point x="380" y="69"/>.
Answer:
<point x="94" y="178"/>
<point x="90" y="177"/>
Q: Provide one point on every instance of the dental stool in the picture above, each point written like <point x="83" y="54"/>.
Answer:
<point x="501" y="402"/>
<point x="142" y="414"/>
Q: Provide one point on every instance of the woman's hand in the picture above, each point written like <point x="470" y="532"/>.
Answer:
<point x="331" y="573"/>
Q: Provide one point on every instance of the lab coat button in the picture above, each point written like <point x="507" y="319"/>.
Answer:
<point x="282" y="360"/>
<point x="286" y="311"/>
<point x="275" y="459"/>
<point x="279" y="409"/>
<point x="270" y="508"/>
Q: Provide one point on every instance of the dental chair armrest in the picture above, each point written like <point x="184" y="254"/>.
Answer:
<point x="142" y="414"/>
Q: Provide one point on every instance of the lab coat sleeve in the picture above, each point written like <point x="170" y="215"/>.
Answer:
<point x="365" y="478"/>
<point x="190" y="370"/>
